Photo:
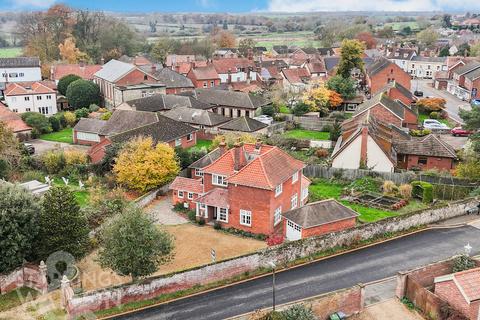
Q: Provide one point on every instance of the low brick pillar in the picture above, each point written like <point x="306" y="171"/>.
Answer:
<point x="43" y="285"/>
<point x="362" y="296"/>
<point x="401" y="289"/>
<point x="66" y="291"/>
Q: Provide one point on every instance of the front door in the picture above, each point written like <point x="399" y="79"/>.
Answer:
<point x="215" y="213"/>
<point x="294" y="231"/>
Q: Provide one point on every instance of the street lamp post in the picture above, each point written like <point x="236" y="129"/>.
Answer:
<point x="468" y="249"/>
<point x="273" y="265"/>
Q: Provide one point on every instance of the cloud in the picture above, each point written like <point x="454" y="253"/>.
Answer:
<point x="204" y="3"/>
<point x="32" y="3"/>
<point x="370" y="5"/>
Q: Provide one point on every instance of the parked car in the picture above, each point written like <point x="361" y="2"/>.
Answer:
<point x="434" y="124"/>
<point x="459" y="131"/>
<point x="28" y="148"/>
<point x="475" y="102"/>
<point x="265" y="119"/>
<point x="418" y="93"/>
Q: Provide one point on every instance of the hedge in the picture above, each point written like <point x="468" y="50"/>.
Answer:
<point x="422" y="190"/>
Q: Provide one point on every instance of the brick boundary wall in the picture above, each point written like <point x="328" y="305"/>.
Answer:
<point x="29" y="275"/>
<point x="282" y="254"/>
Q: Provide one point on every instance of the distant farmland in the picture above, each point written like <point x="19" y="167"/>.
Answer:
<point x="10" y="52"/>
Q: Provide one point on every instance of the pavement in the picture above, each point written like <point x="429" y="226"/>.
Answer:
<point x="453" y="104"/>
<point x="391" y="309"/>
<point x="161" y="210"/>
<point x="42" y="146"/>
<point x="380" y="291"/>
<point x="366" y="265"/>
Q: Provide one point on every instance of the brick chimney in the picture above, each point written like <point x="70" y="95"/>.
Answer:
<point x="102" y="61"/>
<point x="258" y="145"/>
<point x="364" y="142"/>
<point x="222" y="146"/>
<point x="81" y="63"/>
<point x="238" y="155"/>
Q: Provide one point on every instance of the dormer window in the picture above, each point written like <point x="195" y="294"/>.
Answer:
<point x="219" y="180"/>
<point x="397" y="54"/>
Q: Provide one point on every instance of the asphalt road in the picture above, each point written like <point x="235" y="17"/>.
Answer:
<point x="453" y="104"/>
<point x="343" y="271"/>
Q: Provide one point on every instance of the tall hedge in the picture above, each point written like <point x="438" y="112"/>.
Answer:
<point x="65" y="82"/>
<point x="82" y="93"/>
<point x="423" y="190"/>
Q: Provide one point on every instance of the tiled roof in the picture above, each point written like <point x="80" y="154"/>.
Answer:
<point x="232" y="64"/>
<point x="162" y="130"/>
<point x="243" y="124"/>
<point x="267" y="170"/>
<point x="469" y="281"/>
<point x="217" y="197"/>
<point x="430" y="145"/>
<point x="114" y="70"/>
<point x="186" y="184"/>
<point x="125" y="120"/>
<point x="12" y="120"/>
<point x="381" y="98"/>
<point x="168" y="77"/>
<point x="24" y="88"/>
<point x="404" y="91"/>
<point x="83" y="71"/>
<point x="430" y="59"/>
<point x="467" y="68"/>
<point x="137" y="60"/>
<point x="320" y="213"/>
<point x="173" y="59"/>
<point x="298" y="75"/>
<point x="473" y="75"/>
<point x="316" y="66"/>
<point x="159" y="102"/>
<point x="196" y="116"/>
<point x="89" y="125"/>
<point x="207" y="159"/>
<point x="378" y="65"/>
<point x="205" y="73"/>
<point x="19" y="62"/>
<point x="230" y="98"/>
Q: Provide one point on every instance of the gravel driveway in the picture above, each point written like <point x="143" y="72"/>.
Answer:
<point x="162" y="212"/>
<point x="42" y="146"/>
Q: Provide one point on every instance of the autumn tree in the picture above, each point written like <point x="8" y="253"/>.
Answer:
<point x="475" y="50"/>
<point x="231" y="138"/>
<point x="344" y="86"/>
<point x="351" y="57"/>
<point x="431" y="104"/>
<point x="246" y="44"/>
<point x="368" y="39"/>
<point x="143" y="166"/>
<point x="428" y="37"/>
<point x="70" y="53"/>
<point x="224" y="39"/>
<point x="131" y="245"/>
<point x="322" y="99"/>
<point x="163" y="47"/>
<point x="9" y="147"/>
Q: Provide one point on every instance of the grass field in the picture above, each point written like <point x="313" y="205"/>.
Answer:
<point x="10" y="52"/>
<point x="201" y="144"/>
<point x="307" y="134"/>
<point x="64" y="135"/>
<point x="398" y="26"/>
<point x="15" y="298"/>
<point x="321" y="189"/>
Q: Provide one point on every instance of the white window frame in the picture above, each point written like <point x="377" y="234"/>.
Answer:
<point x="178" y="142"/>
<point x="246" y="218"/>
<point x="219" y="180"/>
<point x="222" y="214"/>
<point x="294" y="201"/>
<point x="198" y="172"/>
<point x="278" y="190"/>
<point x="277" y="217"/>
<point x="189" y="137"/>
<point x="190" y="195"/>
<point x="304" y="193"/>
<point x="180" y="194"/>
<point x="295" y="177"/>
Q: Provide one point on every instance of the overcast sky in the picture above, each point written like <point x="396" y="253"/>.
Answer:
<point x="252" y="5"/>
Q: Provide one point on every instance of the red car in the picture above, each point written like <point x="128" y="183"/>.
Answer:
<point x="459" y="131"/>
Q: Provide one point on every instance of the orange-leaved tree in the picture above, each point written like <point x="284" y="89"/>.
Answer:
<point x="322" y="99"/>
<point x="143" y="166"/>
<point x="432" y="104"/>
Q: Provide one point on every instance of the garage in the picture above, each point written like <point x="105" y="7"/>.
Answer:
<point x="294" y="231"/>
<point x="86" y="131"/>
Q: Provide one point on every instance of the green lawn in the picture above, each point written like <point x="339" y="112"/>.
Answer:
<point x="82" y="197"/>
<point x="323" y="189"/>
<point x="284" y="109"/>
<point x="64" y="135"/>
<point x="10" y="52"/>
<point x="201" y="144"/>
<point x="307" y="134"/>
<point x="16" y="298"/>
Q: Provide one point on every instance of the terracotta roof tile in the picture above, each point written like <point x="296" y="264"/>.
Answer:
<point x="298" y="75"/>
<point x="12" y="120"/>
<point x="205" y="73"/>
<point x="84" y="71"/>
<point x="217" y="197"/>
<point x="22" y="88"/>
<point x="469" y="281"/>
<point x="232" y="64"/>
<point x="186" y="184"/>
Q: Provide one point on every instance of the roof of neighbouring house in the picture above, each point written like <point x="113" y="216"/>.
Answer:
<point x="207" y="159"/>
<point x="326" y="51"/>
<point x="473" y="75"/>
<point x="114" y="70"/>
<point x="84" y="71"/>
<point x="316" y="66"/>
<point x="320" y="213"/>
<point x="27" y="88"/>
<point x="168" y="77"/>
<point x="207" y="72"/>
<point x="173" y="59"/>
<point x="90" y="125"/>
<point x="125" y="120"/>
<point x="402" y="53"/>
<point x="186" y="184"/>
<point x="395" y="107"/>
<point x="159" y="102"/>
<point x="230" y="98"/>
<point x="430" y="145"/>
<point x="243" y="124"/>
<point x="467" y="281"/>
<point x="12" y="120"/>
<point x="217" y="197"/>
<point x="140" y="60"/>
<point x="196" y="116"/>
<point x="19" y="62"/>
<point x="297" y="75"/>
<point x="233" y="65"/>
<point x="430" y="59"/>
<point x="404" y="91"/>
<point x="377" y="65"/>
<point x="469" y="67"/>
<point x="162" y="130"/>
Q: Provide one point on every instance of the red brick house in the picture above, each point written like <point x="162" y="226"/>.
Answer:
<point x="247" y="187"/>
<point x="424" y="153"/>
<point x="396" y="91"/>
<point x="464" y="79"/>
<point x="84" y="71"/>
<point x="317" y="218"/>
<point x="204" y="77"/>
<point x="235" y="70"/>
<point x="461" y="290"/>
<point x="125" y="125"/>
<point x="382" y="71"/>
